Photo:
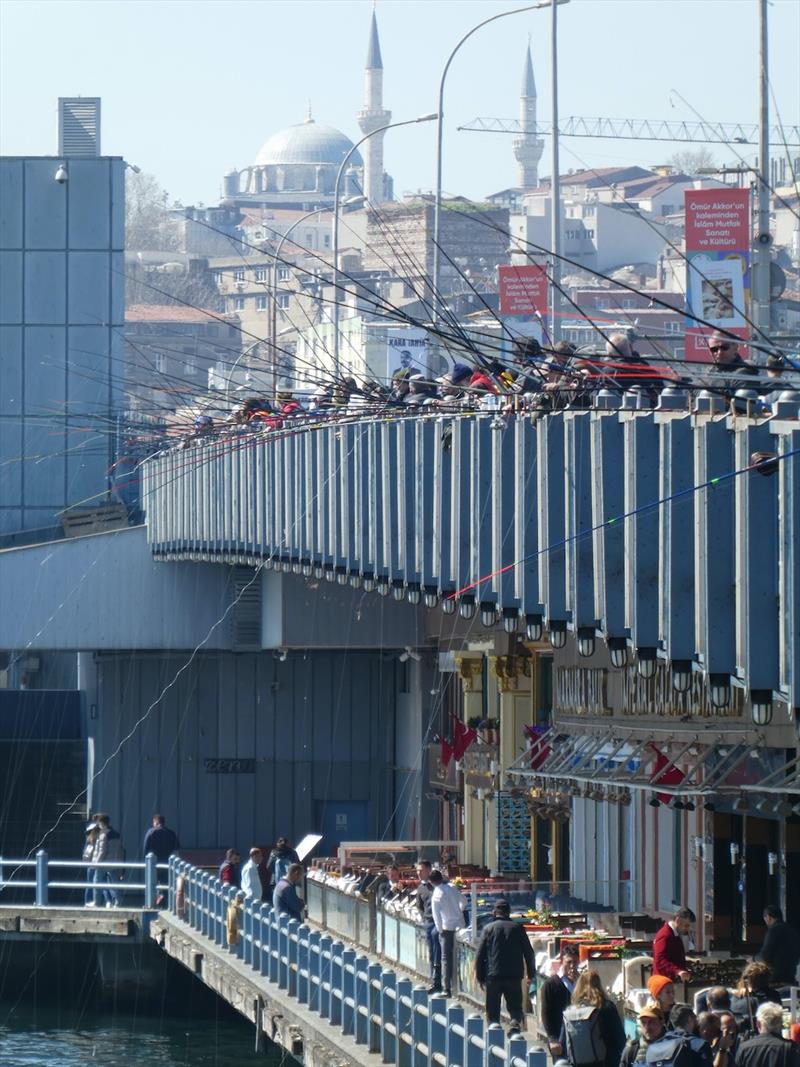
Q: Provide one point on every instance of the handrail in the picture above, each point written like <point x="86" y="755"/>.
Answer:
<point x="150" y="887"/>
<point x="378" y="1007"/>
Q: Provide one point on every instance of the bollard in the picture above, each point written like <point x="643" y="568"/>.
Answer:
<point x="419" y="1025"/>
<point x="473" y="1041"/>
<point x="374" y="1016"/>
<point x="537" y="1057"/>
<point x="402" y="1021"/>
<point x="330" y="994"/>
<point x="292" y="948"/>
<point x="314" y="969"/>
<point x="494" y="1038"/>
<point x="437" y="1025"/>
<point x="200" y="916"/>
<point x="388" y="1040"/>
<point x="454" y="1037"/>
<point x="150" y="880"/>
<point x="362" y="999"/>
<point x="303" y="933"/>
<point x="41" y="879"/>
<point x="348" y="990"/>
<point x="517" y="1048"/>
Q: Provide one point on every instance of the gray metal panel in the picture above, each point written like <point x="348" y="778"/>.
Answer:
<point x="504" y="512"/>
<point x="460" y="502"/>
<point x="10" y="377"/>
<point x="526" y="532"/>
<point x="386" y="562"/>
<point x="11" y="203"/>
<point x="425" y="569"/>
<point x="676" y="538"/>
<point x="641" y="529"/>
<point x="480" y="508"/>
<point x="442" y="505"/>
<point x="578" y="492"/>
<point x="714" y="549"/>
<point x="45" y="205"/>
<point x="45" y="288"/>
<point x="756" y="563"/>
<point x="11" y="275"/>
<point x="608" y="502"/>
<point x="362" y="477"/>
<point x="789" y="575"/>
<point x="89" y="191"/>
<point x="552" y="528"/>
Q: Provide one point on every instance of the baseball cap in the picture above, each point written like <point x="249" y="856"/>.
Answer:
<point x="651" y="1011"/>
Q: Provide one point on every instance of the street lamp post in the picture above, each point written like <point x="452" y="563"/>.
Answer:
<point x="437" y="208"/>
<point x="236" y="363"/>
<point x="345" y="161"/>
<point x="274" y="291"/>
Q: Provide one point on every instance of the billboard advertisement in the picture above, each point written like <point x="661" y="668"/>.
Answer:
<point x="523" y="289"/>
<point x="717" y="265"/>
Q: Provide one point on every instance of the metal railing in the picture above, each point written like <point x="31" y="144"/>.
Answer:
<point x="42" y="882"/>
<point x="381" y="1010"/>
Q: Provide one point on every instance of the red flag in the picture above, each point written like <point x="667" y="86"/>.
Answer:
<point x="447" y="752"/>
<point x="671" y="776"/>
<point x="463" y="737"/>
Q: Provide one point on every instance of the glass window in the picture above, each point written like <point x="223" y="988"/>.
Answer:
<point x="160" y="362"/>
<point x="189" y="367"/>
<point x="238" y="276"/>
<point x="261" y="303"/>
<point x="238" y="304"/>
<point x="261" y="274"/>
<point x="283" y="300"/>
<point x="283" y="274"/>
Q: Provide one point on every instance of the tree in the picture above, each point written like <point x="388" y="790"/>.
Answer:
<point x="148" y="225"/>
<point x="692" y="160"/>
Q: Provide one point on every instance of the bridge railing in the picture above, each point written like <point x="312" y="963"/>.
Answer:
<point x="379" y="1008"/>
<point x="40" y="875"/>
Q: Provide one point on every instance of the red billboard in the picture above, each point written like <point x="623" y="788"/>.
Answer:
<point x="717" y="265"/>
<point x="523" y="290"/>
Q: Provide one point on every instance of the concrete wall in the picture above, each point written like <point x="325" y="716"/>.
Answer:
<point x="61" y="313"/>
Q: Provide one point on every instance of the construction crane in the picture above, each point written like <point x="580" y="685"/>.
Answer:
<point x="733" y="133"/>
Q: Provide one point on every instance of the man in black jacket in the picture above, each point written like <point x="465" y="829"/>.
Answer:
<point x="555" y="996"/>
<point x="769" y="1049"/>
<point x="781" y="948"/>
<point x="504" y="953"/>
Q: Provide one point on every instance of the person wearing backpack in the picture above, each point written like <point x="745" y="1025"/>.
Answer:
<point x="593" y="1034"/>
<point x="280" y="860"/>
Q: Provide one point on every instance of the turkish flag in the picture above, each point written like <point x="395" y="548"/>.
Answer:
<point x="463" y="737"/>
<point x="538" y="749"/>
<point x="671" y="776"/>
<point x="447" y="752"/>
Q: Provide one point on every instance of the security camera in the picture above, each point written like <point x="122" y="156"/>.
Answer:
<point x="61" y="174"/>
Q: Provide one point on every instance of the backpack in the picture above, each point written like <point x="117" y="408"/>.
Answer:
<point x="675" y="1050"/>
<point x="585" y="1044"/>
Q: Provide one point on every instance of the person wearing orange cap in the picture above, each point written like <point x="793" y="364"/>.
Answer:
<point x="662" y="990"/>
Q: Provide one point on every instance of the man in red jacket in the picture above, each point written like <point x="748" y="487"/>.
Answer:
<point x="669" y="953"/>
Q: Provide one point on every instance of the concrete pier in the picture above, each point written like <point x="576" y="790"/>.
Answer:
<point x="275" y="1015"/>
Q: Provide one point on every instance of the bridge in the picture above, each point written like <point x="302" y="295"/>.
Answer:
<point x="671" y="535"/>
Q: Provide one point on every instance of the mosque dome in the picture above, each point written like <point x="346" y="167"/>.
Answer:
<point x="307" y="142"/>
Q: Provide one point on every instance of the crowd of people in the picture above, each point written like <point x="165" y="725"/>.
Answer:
<point x="533" y="379"/>
<point x="272" y="880"/>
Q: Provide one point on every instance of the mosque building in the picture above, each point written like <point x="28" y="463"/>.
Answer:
<point x="297" y="167"/>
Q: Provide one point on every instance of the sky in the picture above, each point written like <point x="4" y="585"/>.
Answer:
<point x="191" y="89"/>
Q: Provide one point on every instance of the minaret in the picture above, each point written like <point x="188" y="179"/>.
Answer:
<point x="371" y="117"/>
<point x="528" y="147"/>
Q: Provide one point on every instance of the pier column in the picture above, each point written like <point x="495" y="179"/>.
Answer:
<point x="470" y="670"/>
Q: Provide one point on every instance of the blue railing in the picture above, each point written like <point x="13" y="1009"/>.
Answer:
<point x="43" y="881"/>
<point x="380" y="1009"/>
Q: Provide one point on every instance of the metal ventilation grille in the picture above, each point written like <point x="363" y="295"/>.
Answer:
<point x="246" y="611"/>
<point x="79" y="126"/>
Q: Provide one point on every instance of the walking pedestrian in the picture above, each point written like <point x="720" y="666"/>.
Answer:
<point x="424" y="905"/>
<point x="593" y="1034"/>
<point x="280" y="859"/>
<point x="555" y="997"/>
<point x="251" y="877"/>
<point x="503" y="956"/>
<point x="88" y="851"/>
<point x="229" y="871"/>
<point x="107" y="849"/>
<point x="160" y="840"/>
<point x="781" y="948"/>
<point x="447" y="910"/>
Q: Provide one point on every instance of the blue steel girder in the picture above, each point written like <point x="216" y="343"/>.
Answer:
<point x="636" y="523"/>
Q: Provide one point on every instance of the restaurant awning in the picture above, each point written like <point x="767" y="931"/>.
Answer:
<point x="678" y="761"/>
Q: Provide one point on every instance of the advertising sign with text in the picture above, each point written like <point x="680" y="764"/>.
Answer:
<point x="523" y="289"/>
<point x="717" y="266"/>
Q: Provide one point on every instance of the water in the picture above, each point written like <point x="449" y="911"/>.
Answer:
<point x="51" y="1036"/>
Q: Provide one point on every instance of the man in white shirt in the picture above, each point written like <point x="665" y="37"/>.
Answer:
<point x="251" y="879"/>
<point x="448" y="906"/>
